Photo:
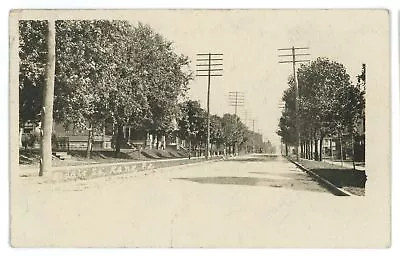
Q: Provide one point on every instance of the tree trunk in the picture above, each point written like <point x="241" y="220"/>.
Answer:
<point x="199" y="149"/>
<point x="118" y="141"/>
<point x="341" y="148"/>
<point x="89" y="142"/>
<point x="307" y="149"/>
<point x="316" y="156"/>
<point x="302" y="149"/>
<point x="190" y="148"/>
<point x="286" y="149"/>
<point x="158" y="141"/>
<point x="320" y="148"/>
<point x="352" y="145"/>
<point x="311" y="150"/>
<point x="46" y="128"/>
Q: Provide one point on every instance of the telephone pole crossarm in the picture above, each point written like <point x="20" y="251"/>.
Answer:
<point x="291" y="61"/>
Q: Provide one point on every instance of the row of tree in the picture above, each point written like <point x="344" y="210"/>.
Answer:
<point x="227" y="133"/>
<point x="329" y="105"/>
<point x="110" y="72"/>
<point x="106" y="72"/>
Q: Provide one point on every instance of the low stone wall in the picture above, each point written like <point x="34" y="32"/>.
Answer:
<point x="84" y="172"/>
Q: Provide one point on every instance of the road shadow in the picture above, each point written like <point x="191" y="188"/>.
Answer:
<point x="308" y="185"/>
<point x="258" y="158"/>
<point x="293" y="175"/>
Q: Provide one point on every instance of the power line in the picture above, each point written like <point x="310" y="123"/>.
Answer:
<point x="294" y="54"/>
<point x="209" y="60"/>
<point x="244" y="115"/>
<point x="236" y="99"/>
<point x="253" y="122"/>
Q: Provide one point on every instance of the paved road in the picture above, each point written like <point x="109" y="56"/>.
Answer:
<point x="252" y="201"/>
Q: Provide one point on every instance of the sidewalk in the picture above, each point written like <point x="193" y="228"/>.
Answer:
<point x="344" y="164"/>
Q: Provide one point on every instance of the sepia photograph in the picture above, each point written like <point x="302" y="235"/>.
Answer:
<point x="195" y="128"/>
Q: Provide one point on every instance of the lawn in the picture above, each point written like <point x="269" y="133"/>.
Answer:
<point x="350" y="180"/>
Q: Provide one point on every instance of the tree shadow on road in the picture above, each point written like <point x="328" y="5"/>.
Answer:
<point x="255" y="159"/>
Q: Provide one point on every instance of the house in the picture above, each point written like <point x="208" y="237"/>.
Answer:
<point x="103" y="139"/>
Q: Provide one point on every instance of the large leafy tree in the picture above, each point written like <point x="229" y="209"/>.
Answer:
<point x="106" y="71"/>
<point x="164" y="73"/>
<point x="96" y="81"/>
<point x="32" y="55"/>
<point x="329" y="102"/>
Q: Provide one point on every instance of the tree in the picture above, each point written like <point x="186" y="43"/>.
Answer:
<point x="96" y="79"/>
<point x="106" y="71"/>
<point x="329" y="104"/>
<point x="162" y="72"/>
<point x="216" y="131"/>
<point x="192" y="123"/>
<point x="233" y="131"/>
<point x="287" y="122"/>
<point x="32" y="67"/>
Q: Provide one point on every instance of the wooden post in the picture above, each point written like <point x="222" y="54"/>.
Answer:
<point x="48" y="97"/>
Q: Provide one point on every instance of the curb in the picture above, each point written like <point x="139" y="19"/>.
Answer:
<point x="330" y="186"/>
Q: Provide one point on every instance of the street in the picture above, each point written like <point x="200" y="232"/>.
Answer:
<point x="250" y="201"/>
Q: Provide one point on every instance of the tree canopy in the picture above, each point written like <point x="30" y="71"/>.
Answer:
<point x="328" y="102"/>
<point x="106" y="71"/>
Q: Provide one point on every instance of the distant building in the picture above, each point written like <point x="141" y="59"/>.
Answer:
<point x="77" y="139"/>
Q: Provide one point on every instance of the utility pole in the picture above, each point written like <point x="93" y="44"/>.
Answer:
<point x="48" y="97"/>
<point x="294" y="61"/>
<point x="253" y="122"/>
<point x="207" y="64"/>
<point x="236" y="99"/>
<point x="246" y="114"/>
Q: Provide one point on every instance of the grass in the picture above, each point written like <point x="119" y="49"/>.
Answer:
<point x="348" y="179"/>
<point x="31" y="157"/>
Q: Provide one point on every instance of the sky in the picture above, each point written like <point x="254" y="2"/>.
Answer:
<point x="249" y="40"/>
